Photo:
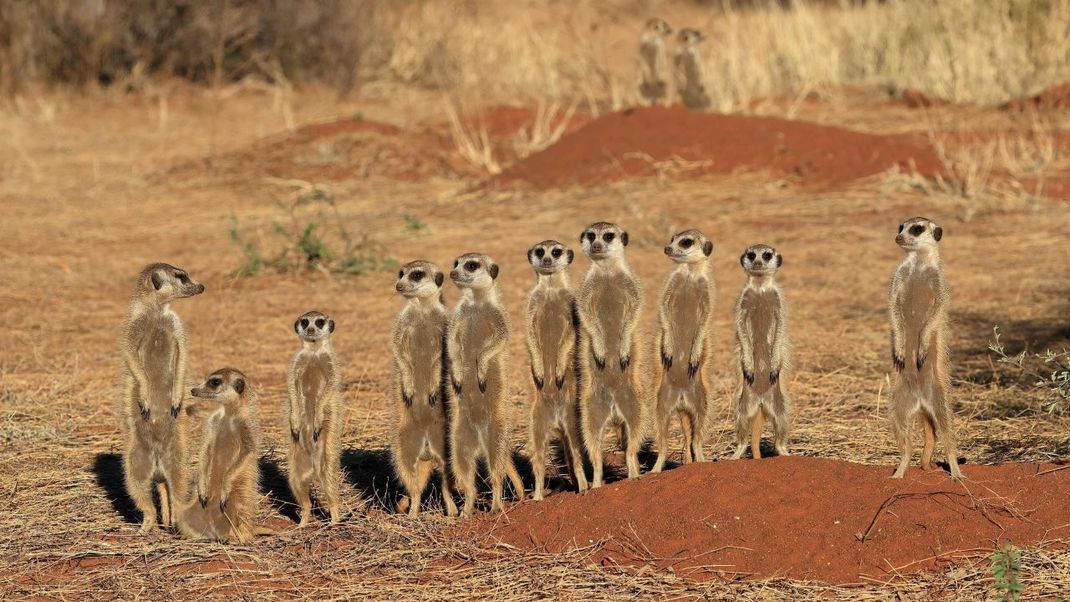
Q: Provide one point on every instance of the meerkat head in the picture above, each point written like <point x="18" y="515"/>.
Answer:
<point x="550" y="256"/>
<point x="474" y="270"/>
<point x="314" y="326"/>
<point x="601" y="240"/>
<point x="658" y="26"/>
<point x="419" y="279"/>
<point x="691" y="37"/>
<point x="918" y="232"/>
<point x="224" y="385"/>
<point x="689" y="246"/>
<point x="166" y="283"/>
<point x="761" y="260"/>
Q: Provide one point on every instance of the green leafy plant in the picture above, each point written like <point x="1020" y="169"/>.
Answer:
<point x="1052" y="371"/>
<point x="1006" y="564"/>
<point x="413" y="222"/>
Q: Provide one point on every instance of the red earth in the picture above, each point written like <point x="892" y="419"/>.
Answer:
<point x="796" y="517"/>
<point x="1055" y="97"/>
<point x="627" y="143"/>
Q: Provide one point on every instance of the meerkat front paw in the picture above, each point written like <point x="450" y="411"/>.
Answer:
<point x="559" y="380"/>
<point x="539" y="381"/>
<point x="919" y="361"/>
<point x="175" y="410"/>
<point x="692" y="370"/>
<point x="482" y="385"/>
<point x="748" y="375"/>
<point x="295" y="435"/>
<point x="406" y="396"/>
<point x="666" y="360"/>
<point x="898" y="361"/>
<point x="144" y="413"/>
<point x="774" y="376"/>
<point x="625" y="361"/>
<point x="432" y="398"/>
<point x="456" y="382"/>
<point x="202" y="500"/>
<point x="316" y="433"/>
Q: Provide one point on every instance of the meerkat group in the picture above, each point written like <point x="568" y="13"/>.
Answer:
<point x="688" y="73"/>
<point x="453" y="379"/>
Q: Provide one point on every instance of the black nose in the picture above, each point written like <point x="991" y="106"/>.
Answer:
<point x="757" y="264"/>
<point x="899" y="239"/>
<point x="399" y="287"/>
<point x="546" y="261"/>
<point x="597" y="247"/>
<point x="200" y="288"/>
<point x="668" y="250"/>
<point x="453" y="274"/>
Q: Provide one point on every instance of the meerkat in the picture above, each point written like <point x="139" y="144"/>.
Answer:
<point x="610" y="303"/>
<point x="315" y="416"/>
<point x="154" y="353"/>
<point x="477" y="344"/>
<point x="918" y="308"/>
<point x="652" y="62"/>
<point x="227" y="479"/>
<point x="419" y="349"/>
<point x="764" y="352"/>
<point x="552" y="340"/>
<point x="684" y="311"/>
<point x="688" y="77"/>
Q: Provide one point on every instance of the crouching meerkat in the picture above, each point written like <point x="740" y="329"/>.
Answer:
<point x="419" y="349"/>
<point x="610" y="301"/>
<point x="552" y="325"/>
<point x="918" y="308"/>
<point x="225" y="501"/>
<point x="684" y="311"/>
<point x="477" y="344"/>
<point x="764" y="352"/>
<point x="315" y="416"/>
<point x="154" y="352"/>
<point x="653" y="69"/>
<point x="688" y="76"/>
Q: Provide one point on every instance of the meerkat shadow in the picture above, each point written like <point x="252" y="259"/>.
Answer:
<point x="273" y="483"/>
<point x="371" y="473"/>
<point x="108" y="470"/>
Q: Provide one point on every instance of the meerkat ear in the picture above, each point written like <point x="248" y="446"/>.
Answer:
<point x="707" y="248"/>
<point x="741" y="258"/>
<point x="239" y="386"/>
<point x="571" y="255"/>
<point x="779" y="260"/>
<point x="938" y="233"/>
<point x="493" y="269"/>
<point x="439" y="278"/>
<point x="157" y="281"/>
<point x="330" y="325"/>
<point x="530" y="252"/>
<point x="581" y="237"/>
<point x="624" y="238"/>
<point x="297" y="323"/>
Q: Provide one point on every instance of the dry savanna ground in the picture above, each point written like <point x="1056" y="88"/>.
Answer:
<point x="94" y="186"/>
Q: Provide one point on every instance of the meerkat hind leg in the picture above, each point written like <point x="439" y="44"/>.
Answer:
<point x="664" y="421"/>
<point x="423" y="475"/>
<point x="594" y="428"/>
<point x="688" y="428"/>
<point x="138" y="469"/>
<point x="929" y="431"/>
<point x="756" y="433"/>
<point x="447" y="491"/>
<point x="943" y="426"/>
<point x="164" y="492"/>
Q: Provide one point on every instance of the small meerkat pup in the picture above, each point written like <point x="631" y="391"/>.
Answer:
<point x="477" y="344"/>
<point x="154" y="352"/>
<point x="315" y="416"/>
<point x="764" y="352"/>
<point x="610" y="302"/>
<point x="652" y="61"/>
<point x="688" y="77"/>
<point x="918" y="308"/>
<point x="552" y="325"/>
<point x="418" y="345"/>
<point x="227" y="479"/>
<point x="684" y="314"/>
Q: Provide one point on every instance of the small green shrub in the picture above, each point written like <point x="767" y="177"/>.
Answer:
<point x="1006" y="564"/>
<point x="1050" y="371"/>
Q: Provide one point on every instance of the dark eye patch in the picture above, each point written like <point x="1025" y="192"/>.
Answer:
<point x="916" y="230"/>
<point x="214" y="382"/>
<point x="751" y="255"/>
<point x="900" y="228"/>
<point x="767" y="255"/>
<point x="304" y="322"/>
<point x="401" y="274"/>
<point x="540" y="252"/>
<point x="608" y="236"/>
<point x="556" y="252"/>
<point x="183" y="277"/>
<point x="590" y="236"/>
<point x="320" y="322"/>
<point x="416" y="276"/>
<point x="686" y="243"/>
<point x="471" y="266"/>
<point x="456" y="263"/>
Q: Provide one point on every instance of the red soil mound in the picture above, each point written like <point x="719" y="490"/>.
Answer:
<point x="798" y="517"/>
<point x="1053" y="98"/>
<point x="625" y="143"/>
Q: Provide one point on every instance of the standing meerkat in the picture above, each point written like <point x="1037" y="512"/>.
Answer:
<point x="227" y="479"/>
<point x="764" y="353"/>
<point x="154" y="352"/>
<point x="688" y="73"/>
<point x="315" y="416"/>
<point x="653" y="85"/>
<point x="418" y="345"/>
<point x="684" y="311"/>
<point x="610" y="302"/>
<point x="477" y="344"/>
<point x="552" y="325"/>
<point x="918" y="308"/>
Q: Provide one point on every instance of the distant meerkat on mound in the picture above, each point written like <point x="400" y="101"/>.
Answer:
<point x="688" y="72"/>
<point x="764" y="352"/>
<point x="315" y="415"/>
<point x="552" y="322"/>
<point x="477" y="344"/>
<point x="610" y="302"/>
<point x="154" y="352"/>
<point x="918" y="308"/>
<point x="419" y="349"/>
<point x="684" y="311"/>
<point x="224" y="503"/>
<point x="653" y="64"/>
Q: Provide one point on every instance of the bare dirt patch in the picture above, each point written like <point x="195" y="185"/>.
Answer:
<point x="796" y="517"/>
<point x="634" y="141"/>
<point x="1055" y="97"/>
